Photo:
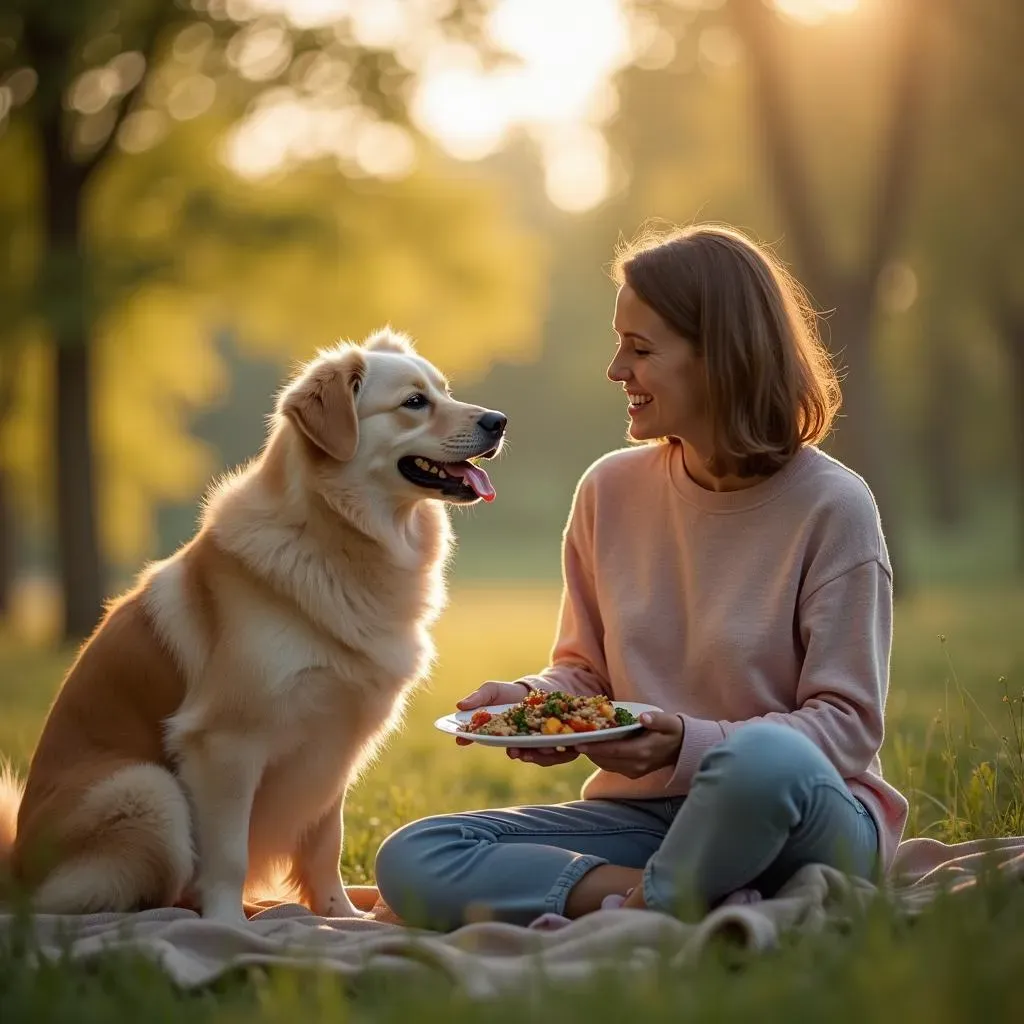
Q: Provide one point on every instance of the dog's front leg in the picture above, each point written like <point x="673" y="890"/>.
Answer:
<point x="221" y="771"/>
<point x="315" y="866"/>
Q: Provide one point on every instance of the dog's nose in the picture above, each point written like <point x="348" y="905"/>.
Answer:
<point x="494" y="423"/>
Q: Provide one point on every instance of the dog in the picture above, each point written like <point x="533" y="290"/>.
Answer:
<point x="203" y="740"/>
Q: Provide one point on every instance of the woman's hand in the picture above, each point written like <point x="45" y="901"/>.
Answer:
<point x="492" y="692"/>
<point x="656" y="747"/>
<point x="544" y="756"/>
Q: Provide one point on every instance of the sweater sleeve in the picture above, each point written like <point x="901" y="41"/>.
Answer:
<point x="577" y="659"/>
<point x="845" y="627"/>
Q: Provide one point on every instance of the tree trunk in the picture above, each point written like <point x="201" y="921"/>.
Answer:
<point x="69" y="313"/>
<point x="8" y="546"/>
<point x="69" y="296"/>
<point x="861" y="438"/>
<point x="9" y="373"/>
<point x="1018" y="376"/>
<point x="1012" y="326"/>
<point x="942" y="420"/>
<point x="81" y="569"/>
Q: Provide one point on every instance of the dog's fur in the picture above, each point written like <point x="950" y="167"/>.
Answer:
<point x="208" y="730"/>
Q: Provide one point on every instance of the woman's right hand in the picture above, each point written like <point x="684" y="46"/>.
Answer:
<point x="493" y="692"/>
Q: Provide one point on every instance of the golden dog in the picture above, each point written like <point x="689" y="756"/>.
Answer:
<point x="206" y="734"/>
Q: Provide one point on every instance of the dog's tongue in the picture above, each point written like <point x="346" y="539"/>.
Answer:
<point x="476" y="477"/>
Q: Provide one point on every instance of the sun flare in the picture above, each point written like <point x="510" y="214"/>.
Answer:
<point x="813" y="12"/>
<point x="560" y="90"/>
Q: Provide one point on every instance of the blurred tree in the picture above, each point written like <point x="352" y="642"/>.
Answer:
<point x="9" y="369"/>
<point x="17" y="259"/>
<point x="976" y="223"/>
<point x="852" y="292"/>
<point x="969" y="260"/>
<point x="114" y="241"/>
<point x="942" y="422"/>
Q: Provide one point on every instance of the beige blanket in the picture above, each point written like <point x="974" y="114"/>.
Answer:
<point x="489" y="959"/>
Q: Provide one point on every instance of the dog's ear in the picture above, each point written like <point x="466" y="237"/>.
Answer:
<point x="389" y="340"/>
<point x="321" y="402"/>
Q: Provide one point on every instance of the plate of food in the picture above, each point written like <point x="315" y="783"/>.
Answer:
<point x="547" y="719"/>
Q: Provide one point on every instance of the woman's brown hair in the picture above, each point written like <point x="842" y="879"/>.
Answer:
<point x="771" y="383"/>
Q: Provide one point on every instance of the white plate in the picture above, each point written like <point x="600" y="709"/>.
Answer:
<point x="451" y="724"/>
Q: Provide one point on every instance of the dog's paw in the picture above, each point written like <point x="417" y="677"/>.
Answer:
<point x="224" y="910"/>
<point x="335" y="905"/>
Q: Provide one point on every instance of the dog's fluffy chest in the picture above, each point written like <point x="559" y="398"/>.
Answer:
<point x="270" y="657"/>
<point x="289" y="655"/>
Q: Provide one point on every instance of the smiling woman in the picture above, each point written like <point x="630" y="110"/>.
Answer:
<point x="727" y="572"/>
<point x="718" y="347"/>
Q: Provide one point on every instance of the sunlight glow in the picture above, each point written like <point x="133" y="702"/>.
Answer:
<point x="557" y="89"/>
<point x="385" y="150"/>
<point x="261" y="51"/>
<point x="287" y="127"/>
<point x="460" y="107"/>
<point x="142" y="130"/>
<point x="191" y="96"/>
<point x="308" y="13"/>
<point x="93" y="90"/>
<point x="813" y="12"/>
<point x="567" y="48"/>
<point x="576" y="167"/>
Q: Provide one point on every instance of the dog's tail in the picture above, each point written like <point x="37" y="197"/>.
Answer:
<point x="11" y="789"/>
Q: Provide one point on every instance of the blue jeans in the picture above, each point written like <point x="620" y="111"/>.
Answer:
<point x="763" y="803"/>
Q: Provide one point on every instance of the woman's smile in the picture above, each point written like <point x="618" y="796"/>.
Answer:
<point x="637" y="401"/>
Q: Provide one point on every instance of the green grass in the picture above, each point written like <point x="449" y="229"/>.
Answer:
<point x="953" y="744"/>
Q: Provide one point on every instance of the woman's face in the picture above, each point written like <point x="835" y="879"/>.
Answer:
<point x="662" y="374"/>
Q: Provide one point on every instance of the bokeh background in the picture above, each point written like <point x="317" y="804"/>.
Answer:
<point x="195" y="194"/>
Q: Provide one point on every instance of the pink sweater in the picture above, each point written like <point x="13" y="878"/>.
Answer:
<point x="772" y="603"/>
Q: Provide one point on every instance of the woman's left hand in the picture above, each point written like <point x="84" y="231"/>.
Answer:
<point x="656" y="747"/>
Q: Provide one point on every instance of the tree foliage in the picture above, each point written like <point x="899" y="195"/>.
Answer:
<point x="129" y="243"/>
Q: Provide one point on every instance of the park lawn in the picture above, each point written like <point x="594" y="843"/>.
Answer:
<point x="952" y="744"/>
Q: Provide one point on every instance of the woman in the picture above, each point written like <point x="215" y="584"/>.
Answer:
<point x="727" y="572"/>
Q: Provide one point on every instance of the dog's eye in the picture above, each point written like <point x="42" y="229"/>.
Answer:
<point x="417" y="401"/>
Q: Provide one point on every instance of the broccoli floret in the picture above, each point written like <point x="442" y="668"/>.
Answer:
<point x="624" y="717"/>
<point x="518" y="719"/>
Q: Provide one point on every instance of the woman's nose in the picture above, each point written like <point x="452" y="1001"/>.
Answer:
<point x="618" y="371"/>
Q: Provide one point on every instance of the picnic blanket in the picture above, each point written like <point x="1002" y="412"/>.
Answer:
<point x="489" y="959"/>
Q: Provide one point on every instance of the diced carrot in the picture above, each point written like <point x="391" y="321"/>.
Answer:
<point x="578" y="725"/>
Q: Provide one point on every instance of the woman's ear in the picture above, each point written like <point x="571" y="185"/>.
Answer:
<point x="321" y="402"/>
